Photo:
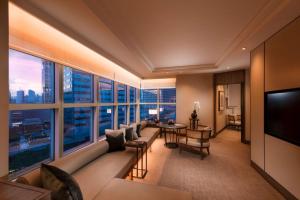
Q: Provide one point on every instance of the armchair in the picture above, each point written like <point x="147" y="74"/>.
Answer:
<point x="196" y="139"/>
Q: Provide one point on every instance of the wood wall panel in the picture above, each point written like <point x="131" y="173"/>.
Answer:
<point x="283" y="58"/>
<point x="257" y="105"/>
<point x="4" y="87"/>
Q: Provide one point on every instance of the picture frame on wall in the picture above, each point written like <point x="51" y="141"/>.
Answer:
<point x="221" y="100"/>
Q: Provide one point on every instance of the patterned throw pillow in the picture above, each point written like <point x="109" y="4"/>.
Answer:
<point x="130" y="132"/>
<point x="61" y="184"/>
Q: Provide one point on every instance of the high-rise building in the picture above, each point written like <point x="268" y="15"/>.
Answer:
<point x="20" y="96"/>
<point x="48" y="82"/>
<point x="31" y="97"/>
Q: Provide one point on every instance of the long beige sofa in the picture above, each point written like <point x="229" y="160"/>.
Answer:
<point x="99" y="173"/>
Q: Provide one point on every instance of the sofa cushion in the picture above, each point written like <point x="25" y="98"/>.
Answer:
<point x="115" y="139"/>
<point x="148" y="135"/>
<point x="71" y="162"/>
<point x="93" y="177"/>
<point x="129" y="190"/>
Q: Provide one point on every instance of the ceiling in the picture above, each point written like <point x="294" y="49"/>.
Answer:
<point x="162" y="38"/>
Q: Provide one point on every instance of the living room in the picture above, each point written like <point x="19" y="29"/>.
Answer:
<point x="149" y="100"/>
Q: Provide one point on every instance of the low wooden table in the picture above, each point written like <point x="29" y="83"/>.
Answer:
<point x="16" y="191"/>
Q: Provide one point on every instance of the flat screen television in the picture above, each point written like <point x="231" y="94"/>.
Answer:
<point x="282" y="115"/>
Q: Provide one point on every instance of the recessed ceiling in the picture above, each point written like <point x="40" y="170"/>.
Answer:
<point x="163" y="37"/>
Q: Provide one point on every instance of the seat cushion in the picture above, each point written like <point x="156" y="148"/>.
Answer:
<point x="193" y="142"/>
<point x="93" y="177"/>
<point x="129" y="190"/>
<point x="148" y="135"/>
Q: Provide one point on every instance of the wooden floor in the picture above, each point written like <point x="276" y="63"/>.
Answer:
<point x="224" y="174"/>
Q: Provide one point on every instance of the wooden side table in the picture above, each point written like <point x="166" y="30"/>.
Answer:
<point x="141" y="149"/>
<point x="16" y="191"/>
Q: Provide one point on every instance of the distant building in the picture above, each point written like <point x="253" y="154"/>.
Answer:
<point x="31" y="96"/>
<point x="20" y="97"/>
<point x="48" y="81"/>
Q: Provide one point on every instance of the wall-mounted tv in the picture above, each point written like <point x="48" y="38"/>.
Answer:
<point x="282" y="115"/>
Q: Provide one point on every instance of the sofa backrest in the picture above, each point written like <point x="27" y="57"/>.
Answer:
<point x="72" y="162"/>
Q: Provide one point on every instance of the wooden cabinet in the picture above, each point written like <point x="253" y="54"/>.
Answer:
<point x="16" y="191"/>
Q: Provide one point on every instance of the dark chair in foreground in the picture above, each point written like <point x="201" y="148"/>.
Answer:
<point x="196" y="140"/>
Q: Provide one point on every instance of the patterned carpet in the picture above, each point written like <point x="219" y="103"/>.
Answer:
<point x="224" y="174"/>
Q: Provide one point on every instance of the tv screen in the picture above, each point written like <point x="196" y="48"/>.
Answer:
<point x="282" y="115"/>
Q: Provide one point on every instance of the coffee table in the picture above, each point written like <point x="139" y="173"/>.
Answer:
<point x="173" y="130"/>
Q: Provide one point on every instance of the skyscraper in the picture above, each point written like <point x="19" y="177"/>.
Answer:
<point x="20" y="96"/>
<point x="48" y="82"/>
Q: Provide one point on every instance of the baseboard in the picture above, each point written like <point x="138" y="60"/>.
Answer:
<point x="217" y="133"/>
<point x="273" y="182"/>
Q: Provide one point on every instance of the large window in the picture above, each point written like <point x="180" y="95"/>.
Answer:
<point x="106" y="119"/>
<point x="132" y="111"/>
<point x="30" y="138"/>
<point x="31" y="79"/>
<point x="122" y="94"/>
<point x="78" y="126"/>
<point x="167" y="112"/>
<point x="77" y="86"/>
<point x="149" y="95"/>
<point x="132" y="95"/>
<point x="122" y="115"/>
<point x="31" y="132"/>
<point x="148" y="111"/>
<point x="167" y="95"/>
<point x="106" y="90"/>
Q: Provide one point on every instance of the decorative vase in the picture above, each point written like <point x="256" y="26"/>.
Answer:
<point x="194" y="115"/>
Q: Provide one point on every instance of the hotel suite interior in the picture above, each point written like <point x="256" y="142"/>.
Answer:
<point x="149" y="99"/>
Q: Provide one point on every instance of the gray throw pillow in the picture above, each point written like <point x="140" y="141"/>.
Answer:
<point x="61" y="184"/>
<point x="133" y="133"/>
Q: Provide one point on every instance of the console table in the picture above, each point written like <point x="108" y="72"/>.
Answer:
<point x="16" y="191"/>
<point x="140" y="167"/>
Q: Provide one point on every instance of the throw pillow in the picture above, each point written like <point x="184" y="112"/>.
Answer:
<point x="138" y="129"/>
<point x="143" y="124"/>
<point x="61" y="184"/>
<point x="116" y="140"/>
<point x="130" y="134"/>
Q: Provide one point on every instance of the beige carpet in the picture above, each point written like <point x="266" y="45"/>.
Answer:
<point x="224" y="174"/>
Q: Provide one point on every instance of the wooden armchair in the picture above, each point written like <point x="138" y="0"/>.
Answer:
<point x="196" y="139"/>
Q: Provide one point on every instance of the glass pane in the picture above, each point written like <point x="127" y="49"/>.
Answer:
<point x="106" y="90"/>
<point x="31" y="79"/>
<point x="30" y="138"/>
<point x="167" y="95"/>
<point x="132" y="95"/>
<point x="122" y="98"/>
<point x="149" y="96"/>
<point x="148" y="111"/>
<point x="122" y="115"/>
<point x="106" y="119"/>
<point x="167" y="112"/>
<point x="132" y="113"/>
<point x="77" y="86"/>
<point x="78" y="126"/>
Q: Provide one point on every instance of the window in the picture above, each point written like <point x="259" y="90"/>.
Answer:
<point x="149" y="95"/>
<point x="31" y="79"/>
<point x="30" y="138"/>
<point x="132" y="95"/>
<point x="167" y="112"/>
<point x="167" y="95"/>
<point x="148" y="111"/>
<point x="78" y="126"/>
<point x="106" y="90"/>
<point x="77" y="86"/>
<point x="106" y="119"/>
<point x="122" y="97"/>
<point x="122" y="115"/>
<point x="132" y="111"/>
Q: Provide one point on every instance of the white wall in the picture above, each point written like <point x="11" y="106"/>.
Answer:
<point x="190" y="88"/>
<point x="4" y="87"/>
